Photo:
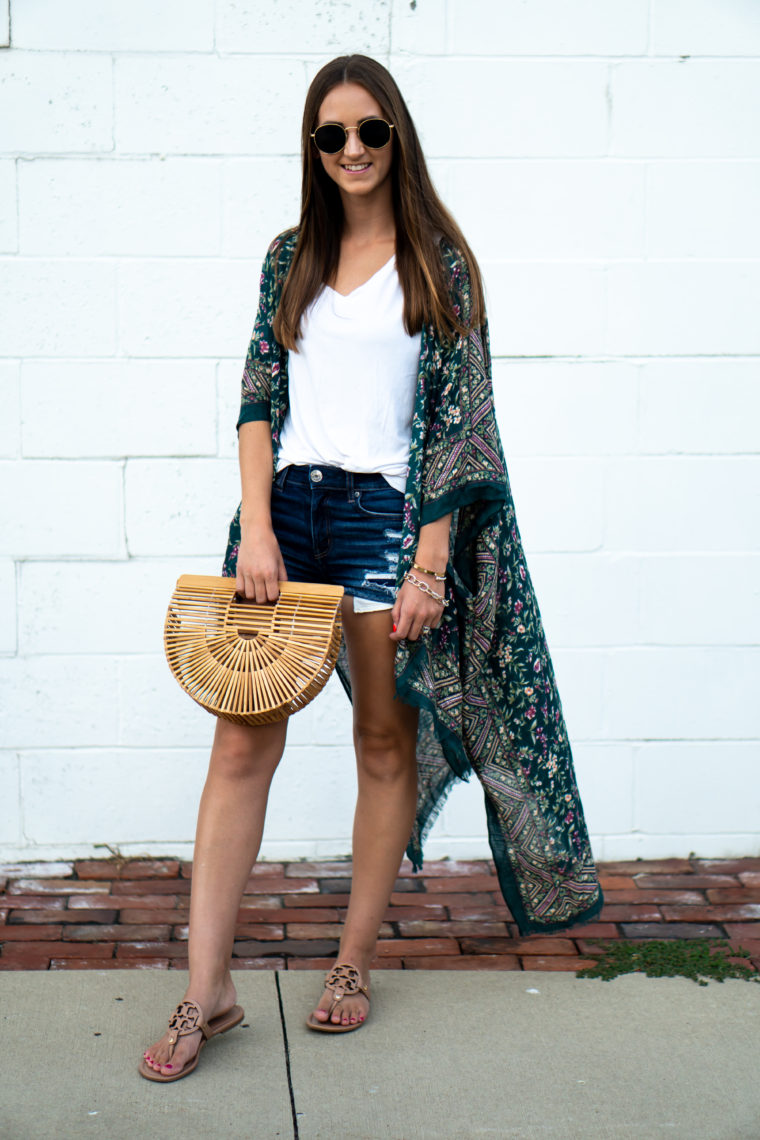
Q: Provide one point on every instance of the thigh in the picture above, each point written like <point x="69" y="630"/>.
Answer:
<point x="371" y="656"/>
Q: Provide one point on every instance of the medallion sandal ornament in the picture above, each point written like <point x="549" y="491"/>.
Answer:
<point x="188" y="1018"/>
<point x="343" y="980"/>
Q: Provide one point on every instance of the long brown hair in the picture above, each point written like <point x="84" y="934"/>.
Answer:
<point x="421" y="218"/>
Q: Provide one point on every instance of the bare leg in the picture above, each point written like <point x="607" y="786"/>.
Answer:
<point x="227" y="841"/>
<point x="385" y="735"/>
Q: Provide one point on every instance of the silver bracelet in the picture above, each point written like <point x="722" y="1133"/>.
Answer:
<point x="409" y="577"/>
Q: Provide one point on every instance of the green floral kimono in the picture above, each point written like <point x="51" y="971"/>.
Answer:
<point x="483" y="681"/>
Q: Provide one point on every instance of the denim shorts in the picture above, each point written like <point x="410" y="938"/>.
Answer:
<point x="339" y="527"/>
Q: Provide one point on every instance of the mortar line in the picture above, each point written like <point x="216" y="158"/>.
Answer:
<point x="287" y="1055"/>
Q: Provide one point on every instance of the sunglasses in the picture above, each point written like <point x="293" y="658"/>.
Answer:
<point x="332" y="137"/>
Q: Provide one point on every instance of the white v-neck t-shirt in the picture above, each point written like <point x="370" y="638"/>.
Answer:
<point x="352" y="382"/>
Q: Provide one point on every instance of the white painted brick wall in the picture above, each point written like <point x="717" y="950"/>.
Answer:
<point x="604" y="161"/>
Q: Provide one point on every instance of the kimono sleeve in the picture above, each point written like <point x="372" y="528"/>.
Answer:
<point x="464" y="460"/>
<point x="263" y="352"/>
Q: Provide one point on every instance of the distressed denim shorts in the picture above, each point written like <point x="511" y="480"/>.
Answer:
<point x="339" y="527"/>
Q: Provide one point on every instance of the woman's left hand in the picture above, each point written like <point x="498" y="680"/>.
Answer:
<point x="415" y="610"/>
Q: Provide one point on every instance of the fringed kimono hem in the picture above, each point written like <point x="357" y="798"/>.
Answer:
<point x="529" y="924"/>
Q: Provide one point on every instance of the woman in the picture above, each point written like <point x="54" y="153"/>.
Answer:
<point x="367" y="391"/>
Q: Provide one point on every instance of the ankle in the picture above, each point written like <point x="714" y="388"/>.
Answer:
<point x="209" y="988"/>
<point x="361" y="958"/>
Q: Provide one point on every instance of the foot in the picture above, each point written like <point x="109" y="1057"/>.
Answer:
<point x="350" y="1010"/>
<point x="160" y="1057"/>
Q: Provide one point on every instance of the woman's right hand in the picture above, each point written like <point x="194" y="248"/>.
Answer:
<point x="260" y="567"/>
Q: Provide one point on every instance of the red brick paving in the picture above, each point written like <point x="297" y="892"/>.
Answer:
<point x="133" y="914"/>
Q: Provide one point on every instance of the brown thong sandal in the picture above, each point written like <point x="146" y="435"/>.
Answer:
<point x="343" y="980"/>
<point x="187" y="1018"/>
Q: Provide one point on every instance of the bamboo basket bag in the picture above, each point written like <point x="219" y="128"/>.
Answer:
<point x="249" y="663"/>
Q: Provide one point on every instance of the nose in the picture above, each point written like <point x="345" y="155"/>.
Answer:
<point x="354" y="145"/>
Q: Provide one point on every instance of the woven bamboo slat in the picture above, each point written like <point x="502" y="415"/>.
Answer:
<point x="249" y="663"/>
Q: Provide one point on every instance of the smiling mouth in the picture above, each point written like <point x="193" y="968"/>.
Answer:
<point x="356" y="166"/>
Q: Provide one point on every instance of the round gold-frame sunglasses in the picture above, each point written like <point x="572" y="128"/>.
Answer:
<point x="332" y="137"/>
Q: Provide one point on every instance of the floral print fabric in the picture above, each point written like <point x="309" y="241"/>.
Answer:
<point x="483" y="681"/>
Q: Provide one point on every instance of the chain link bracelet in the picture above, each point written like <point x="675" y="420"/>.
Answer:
<point x="409" y="577"/>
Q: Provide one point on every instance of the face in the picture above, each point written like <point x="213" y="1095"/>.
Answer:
<point x="356" y="169"/>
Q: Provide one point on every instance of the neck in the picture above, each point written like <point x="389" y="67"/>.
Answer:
<point x="369" y="219"/>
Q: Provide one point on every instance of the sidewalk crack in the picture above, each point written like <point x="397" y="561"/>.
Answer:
<point x="287" y="1055"/>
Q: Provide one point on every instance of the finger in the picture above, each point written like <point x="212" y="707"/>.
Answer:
<point x="272" y="588"/>
<point x="401" y="626"/>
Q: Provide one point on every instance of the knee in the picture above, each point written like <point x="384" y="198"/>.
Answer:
<point x="241" y="753"/>
<point x="383" y="753"/>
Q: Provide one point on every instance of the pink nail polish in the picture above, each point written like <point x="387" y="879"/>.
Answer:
<point x="168" y="1066"/>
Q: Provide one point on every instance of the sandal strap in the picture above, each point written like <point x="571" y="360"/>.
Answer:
<point x="187" y="1018"/>
<point x="344" y="980"/>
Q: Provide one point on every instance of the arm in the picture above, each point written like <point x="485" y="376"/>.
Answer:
<point x="260" y="567"/>
<point x="415" y="609"/>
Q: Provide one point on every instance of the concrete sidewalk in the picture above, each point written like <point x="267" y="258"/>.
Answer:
<point x="445" y="1056"/>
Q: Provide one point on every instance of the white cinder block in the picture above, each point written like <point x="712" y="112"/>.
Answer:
<point x="588" y="599"/>
<point x="98" y="607"/>
<point x="47" y="700"/>
<point x="546" y="309"/>
<point x="180" y="508"/>
<point x="697" y="787"/>
<point x="5" y="23"/>
<point x="91" y="207"/>
<point x="10" y="800"/>
<point x="605" y="781"/>
<point x="57" y="308"/>
<point x="559" y="503"/>
<point x="298" y="27"/>
<point x="705" y="28"/>
<point x="55" y="103"/>
<point x="566" y="407"/>
<point x="417" y="29"/>
<point x="8" y="208"/>
<point x="69" y="509"/>
<point x="464" y="813"/>
<point x="118" y="408"/>
<point x="333" y="718"/>
<point x="303" y="807"/>
<point x="208" y="105"/>
<point x="524" y="109"/>
<point x="260" y="199"/>
<point x="552" y="210"/>
<point x="581" y="680"/>
<point x="638" y="846"/>
<point x="686" y="503"/>
<point x="8" y="639"/>
<point x="132" y="795"/>
<point x="684" y="308"/>
<point x="512" y="27"/>
<point x="700" y="599"/>
<point x="155" y="711"/>
<point x="699" y="406"/>
<point x="228" y="380"/>
<point x="681" y="694"/>
<point x="88" y="25"/>
<point x="10" y="404"/>
<point x="703" y="209"/>
<point x="685" y="108"/>
<point x="183" y="307"/>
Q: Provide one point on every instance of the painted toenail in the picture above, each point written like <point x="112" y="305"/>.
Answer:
<point x="168" y="1066"/>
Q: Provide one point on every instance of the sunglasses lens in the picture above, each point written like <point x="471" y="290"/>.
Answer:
<point x="330" y="138"/>
<point x="375" y="133"/>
